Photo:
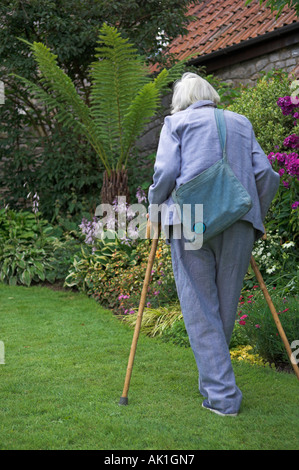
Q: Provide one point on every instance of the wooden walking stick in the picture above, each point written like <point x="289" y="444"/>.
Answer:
<point x="124" y="398"/>
<point x="274" y="314"/>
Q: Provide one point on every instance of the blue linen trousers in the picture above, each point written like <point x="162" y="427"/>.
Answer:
<point x="209" y="281"/>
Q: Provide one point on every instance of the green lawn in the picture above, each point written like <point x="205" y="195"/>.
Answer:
<point x="65" y="363"/>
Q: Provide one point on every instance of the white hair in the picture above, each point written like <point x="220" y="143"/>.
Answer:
<point x="189" y="89"/>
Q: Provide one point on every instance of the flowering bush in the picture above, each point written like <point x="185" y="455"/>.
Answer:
<point x="286" y="163"/>
<point x="256" y="327"/>
<point x="259" y="105"/>
<point x="161" y="288"/>
<point x="277" y="261"/>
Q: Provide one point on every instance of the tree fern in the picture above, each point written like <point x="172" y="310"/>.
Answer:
<point x="123" y="96"/>
<point x="116" y="76"/>
<point x="58" y="93"/>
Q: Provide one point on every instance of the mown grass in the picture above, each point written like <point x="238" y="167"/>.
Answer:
<point x="65" y="363"/>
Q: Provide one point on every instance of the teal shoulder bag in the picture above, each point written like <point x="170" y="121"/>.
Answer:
<point x="224" y="199"/>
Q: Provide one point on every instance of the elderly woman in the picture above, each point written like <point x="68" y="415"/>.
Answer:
<point x="209" y="279"/>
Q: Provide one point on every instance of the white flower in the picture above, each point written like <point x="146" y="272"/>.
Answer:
<point x="288" y="244"/>
<point x="271" y="270"/>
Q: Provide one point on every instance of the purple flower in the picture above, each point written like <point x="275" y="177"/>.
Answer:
<point x="89" y="228"/>
<point x="286" y="184"/>
<point x="295" y="205"/>
<point x="271" y="157"/>
<point x="35" y="203"/>
<point x="292" y="164"/>
<point x="281" y="171"/>
<point x="140" y="194"/>
<point x="292" y="141"/>
<point x="287" y="104"/>
<point x="280" y="157"/>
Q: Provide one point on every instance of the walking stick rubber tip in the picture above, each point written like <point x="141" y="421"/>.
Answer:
<point x="123" y="401"/>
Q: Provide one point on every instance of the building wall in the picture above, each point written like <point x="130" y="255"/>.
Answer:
<point x="245" y="73"/>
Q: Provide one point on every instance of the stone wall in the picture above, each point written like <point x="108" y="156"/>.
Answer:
<point x="247" y="72"/>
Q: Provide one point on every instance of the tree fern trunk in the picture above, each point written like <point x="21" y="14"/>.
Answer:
<point x="115" y="185"/>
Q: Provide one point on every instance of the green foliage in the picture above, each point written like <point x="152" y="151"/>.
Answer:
<point x="258" y="104"/>
<point x="177" y="334"/>
<point x="60" y="167"/>
<point x="156" y="321"/>
<point x="149" y="25"/>
<point x="34" y="146"/>
<point x="278" y="5"/>
<point x="30" y="251"/>
<point x="93" y="268"/>
<point x="271" y="127"/>
<point x="256" y="325"/>
<point x="277" y="262"/>
<point x="113" y="273"/>
<point x="123" y="98"/>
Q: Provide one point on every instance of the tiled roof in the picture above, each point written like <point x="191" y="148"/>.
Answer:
<point x="221" y="24"/>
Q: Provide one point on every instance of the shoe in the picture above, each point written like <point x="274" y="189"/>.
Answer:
<point x="207" y="405"/>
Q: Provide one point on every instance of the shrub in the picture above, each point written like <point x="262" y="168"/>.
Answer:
<point x="161" y="290"/>
<point x="30" y="250"/>
<point x="274" y="115"/>
<point x="278" y="263"/>
<point x="93" y="266"/>
<point x="256" y="327"/>
<point x="258" y="104"/>
<point x="156" y="321"/>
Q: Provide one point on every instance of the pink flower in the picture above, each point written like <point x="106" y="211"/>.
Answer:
<point x="257" y="325"/>
<point x="242" y="322"/>
<point x="243" y="317"/>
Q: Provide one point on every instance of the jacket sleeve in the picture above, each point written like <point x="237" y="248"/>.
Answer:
<point x="267" y="180"/>
<point x="167" y="166"/>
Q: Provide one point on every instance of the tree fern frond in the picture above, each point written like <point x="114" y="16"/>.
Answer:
<point x="61" y="94"/>
<point x="140" y="111"/>
<point x="117" y="75"/>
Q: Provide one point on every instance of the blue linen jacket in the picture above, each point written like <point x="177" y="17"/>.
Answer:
<point x="189" y="144"/>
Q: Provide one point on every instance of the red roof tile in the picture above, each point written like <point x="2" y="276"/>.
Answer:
<point x="223" y="24"/>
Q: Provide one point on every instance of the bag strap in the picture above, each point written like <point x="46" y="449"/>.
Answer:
<point x="220" y="121"/>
